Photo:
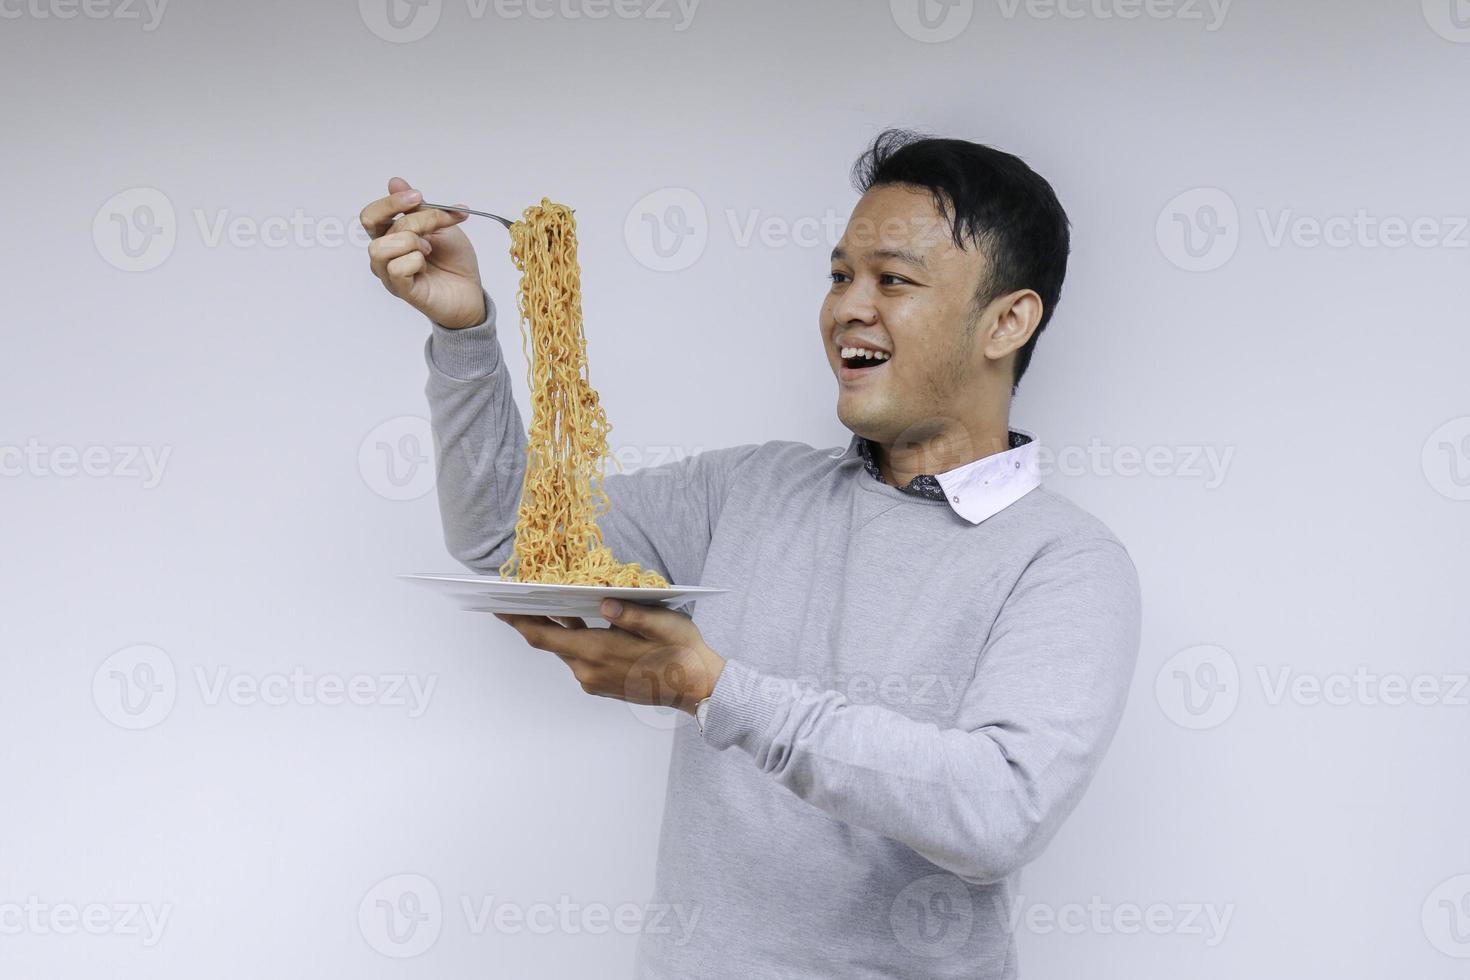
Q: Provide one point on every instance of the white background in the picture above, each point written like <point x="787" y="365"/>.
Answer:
<point x="1329" y="380"/>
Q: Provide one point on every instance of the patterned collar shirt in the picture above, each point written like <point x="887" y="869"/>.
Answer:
<point x="977" y="490"/>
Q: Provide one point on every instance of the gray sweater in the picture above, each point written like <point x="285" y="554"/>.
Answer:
<point x="911" y="705"/>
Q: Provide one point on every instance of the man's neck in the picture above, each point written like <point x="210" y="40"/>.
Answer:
<point x="901" y="462"/>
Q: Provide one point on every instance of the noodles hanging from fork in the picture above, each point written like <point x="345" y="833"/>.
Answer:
<point x="557" y="539"/>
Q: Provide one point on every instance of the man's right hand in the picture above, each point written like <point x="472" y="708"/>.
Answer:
<point x="423" y="259"/>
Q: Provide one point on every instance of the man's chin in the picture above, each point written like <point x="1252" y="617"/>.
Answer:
<point x="862" y="423"/>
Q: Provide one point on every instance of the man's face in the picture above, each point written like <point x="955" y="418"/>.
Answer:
<point x="900" y="285"/>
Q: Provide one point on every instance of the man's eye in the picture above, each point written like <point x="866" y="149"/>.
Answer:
<point x="885" y="279"/>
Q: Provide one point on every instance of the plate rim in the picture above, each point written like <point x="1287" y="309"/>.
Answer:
<point x="671" y="591"/>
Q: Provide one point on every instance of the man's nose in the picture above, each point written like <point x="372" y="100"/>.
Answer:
<point x="855" y="305"/>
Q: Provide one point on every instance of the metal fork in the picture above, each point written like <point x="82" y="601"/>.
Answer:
<point x="484" y="214"/>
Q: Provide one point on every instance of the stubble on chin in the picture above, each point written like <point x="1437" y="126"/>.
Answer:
<point x="859" y="422"/>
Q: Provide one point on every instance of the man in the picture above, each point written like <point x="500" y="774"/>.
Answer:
<point x="924" y="654"/>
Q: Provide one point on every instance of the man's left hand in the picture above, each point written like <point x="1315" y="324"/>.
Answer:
<point x="649" y="655"/>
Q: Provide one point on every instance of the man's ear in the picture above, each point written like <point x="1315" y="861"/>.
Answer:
<point x="1016" y="318"/>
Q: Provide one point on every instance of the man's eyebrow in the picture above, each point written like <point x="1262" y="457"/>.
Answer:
<point x="901" y="254"/>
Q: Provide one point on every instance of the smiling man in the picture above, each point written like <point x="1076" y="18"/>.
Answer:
<point x="925" y="653"/>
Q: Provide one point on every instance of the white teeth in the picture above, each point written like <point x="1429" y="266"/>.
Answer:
<point x="864" y="352"/>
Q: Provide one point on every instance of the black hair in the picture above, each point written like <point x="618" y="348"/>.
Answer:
<point x="989" y="198"/>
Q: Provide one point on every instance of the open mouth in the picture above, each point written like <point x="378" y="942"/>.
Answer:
<point x="861" y="358"/>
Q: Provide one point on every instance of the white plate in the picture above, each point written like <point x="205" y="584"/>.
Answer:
<point x="491" y="593"/>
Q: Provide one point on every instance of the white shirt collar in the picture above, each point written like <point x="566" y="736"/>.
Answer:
<point x="982" y="488"/>
<point x="986" y="486"/>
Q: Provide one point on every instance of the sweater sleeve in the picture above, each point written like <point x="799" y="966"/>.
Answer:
<point x="983" y="797"/>
<point x="659" y="516"/>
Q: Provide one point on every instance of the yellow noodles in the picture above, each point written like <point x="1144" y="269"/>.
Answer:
<point x="557" y="538"/>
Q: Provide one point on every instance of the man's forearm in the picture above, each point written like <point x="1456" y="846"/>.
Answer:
<point x="982" y="797"/>
<point x="480" y="442"/>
